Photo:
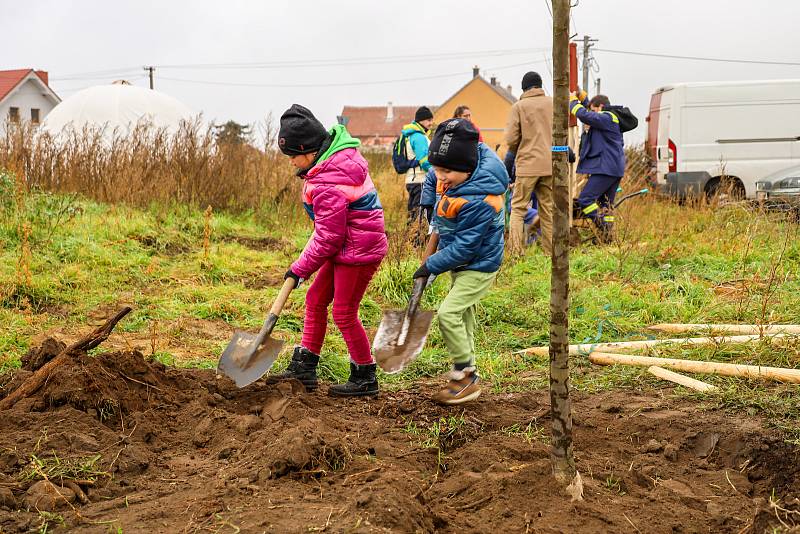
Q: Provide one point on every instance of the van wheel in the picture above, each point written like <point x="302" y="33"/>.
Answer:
<point x="724" y="189"/>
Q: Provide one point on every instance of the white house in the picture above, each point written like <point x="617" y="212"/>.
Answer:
<point x="25" y="95"/>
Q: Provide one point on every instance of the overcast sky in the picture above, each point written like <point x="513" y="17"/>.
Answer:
<point x="72" y="38"/>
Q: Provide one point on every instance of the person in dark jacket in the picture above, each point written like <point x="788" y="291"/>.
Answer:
<point x="470" y="219"/>
<point x="602" y="158"/>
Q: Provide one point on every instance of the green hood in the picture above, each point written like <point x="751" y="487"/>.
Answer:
<point x="340" y="139"/>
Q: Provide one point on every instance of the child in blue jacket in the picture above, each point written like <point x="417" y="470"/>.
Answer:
<point x="601" y="157"/>
<point x="470" y="219"/>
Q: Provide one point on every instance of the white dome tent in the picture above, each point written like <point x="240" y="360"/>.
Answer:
<point x="117" y="109"/>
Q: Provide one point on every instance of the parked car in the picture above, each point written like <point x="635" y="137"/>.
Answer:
<point x="781" y="190"/>
<point x="716" y="136"/>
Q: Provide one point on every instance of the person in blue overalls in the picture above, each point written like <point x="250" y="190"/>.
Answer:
<point x="602" y="158"/>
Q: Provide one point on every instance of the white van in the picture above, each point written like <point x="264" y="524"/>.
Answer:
<point x="701" y="133"/>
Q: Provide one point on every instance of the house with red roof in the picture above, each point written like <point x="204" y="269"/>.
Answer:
<point x="376" y="126"/>
<point x="25" y="96"/>
<point x="488" y="100"/>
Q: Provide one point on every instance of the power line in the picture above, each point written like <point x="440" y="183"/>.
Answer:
<point x="62" y="90"/>
<point x="338" y="84"/>
<point x="95" y="74"/>
<point x="357" y="61"/>
<point x="698" y="58"/>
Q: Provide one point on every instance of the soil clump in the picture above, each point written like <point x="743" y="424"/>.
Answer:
<point x="118" y="440"/>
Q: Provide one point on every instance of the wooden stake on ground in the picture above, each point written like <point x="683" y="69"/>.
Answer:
<point x="767" y="329"/>
<point x="35" y="381"/>
<point x="694" y="366"/>
<point x="586" y="348"/>
<point x="671" y="376"/>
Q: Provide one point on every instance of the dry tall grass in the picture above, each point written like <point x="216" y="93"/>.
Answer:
<point x="149" y="165"/>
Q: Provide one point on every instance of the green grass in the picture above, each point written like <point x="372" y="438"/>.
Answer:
<point x="673" y="264"/>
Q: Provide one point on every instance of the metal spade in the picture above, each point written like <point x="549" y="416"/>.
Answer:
<point x="402" y="333"/>
<point x="249" y="356"/>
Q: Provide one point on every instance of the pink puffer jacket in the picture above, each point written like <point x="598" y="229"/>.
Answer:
<point x="341" y="199"/>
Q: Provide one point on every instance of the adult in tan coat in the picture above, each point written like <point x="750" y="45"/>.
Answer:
<point x="529" y="134"/>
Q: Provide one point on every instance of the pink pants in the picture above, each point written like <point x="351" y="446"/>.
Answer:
<point x="344" y="285"/>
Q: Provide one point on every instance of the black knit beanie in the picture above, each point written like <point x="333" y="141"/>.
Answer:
<point x="422" y="114"/>
<point x="530" y="80"/>
<point x="455" y="146"/>
<point x="300" y="132"/>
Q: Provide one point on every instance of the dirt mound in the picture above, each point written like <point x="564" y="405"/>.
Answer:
<point x="116" y="440"/>
<point x="108" y="385"/>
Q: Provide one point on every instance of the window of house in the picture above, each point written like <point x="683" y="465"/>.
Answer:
<point x="35" y="115"/>
<point x="13" y="114"/>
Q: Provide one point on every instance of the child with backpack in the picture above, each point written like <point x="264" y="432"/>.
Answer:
<point x="345" y="250"/>
<point x="470" y="219"/>
<point x="601" y="157"/>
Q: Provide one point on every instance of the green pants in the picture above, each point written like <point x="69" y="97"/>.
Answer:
<point x="457" y="313"/>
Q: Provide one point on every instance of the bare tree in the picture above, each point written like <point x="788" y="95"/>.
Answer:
<point x="560" y="406"/>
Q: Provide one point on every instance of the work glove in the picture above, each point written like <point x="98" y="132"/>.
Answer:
<point x="573" y="96"/>
<point x="582" y="95"/>
<point x="293" y="276"/>
<point x="422" y="272"/>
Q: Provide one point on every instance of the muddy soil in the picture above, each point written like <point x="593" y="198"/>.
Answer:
<point x="167" y="450"/>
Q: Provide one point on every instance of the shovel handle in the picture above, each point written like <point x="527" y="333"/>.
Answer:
<point x="283" y="296"/>
<point x="430" y="248"/>
<point x="275" y="311"/>
<point x="416" y="295"/>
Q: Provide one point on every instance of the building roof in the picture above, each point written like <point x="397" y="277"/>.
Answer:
<point x="370" y="121"/>
<point x="11" y="79"/>
<point x="499" y="89"/>
<point x="502" y="91"/>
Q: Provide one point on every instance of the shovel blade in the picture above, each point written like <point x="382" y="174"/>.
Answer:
<point x="244" y="361"/>
<point x="397" y="344"/>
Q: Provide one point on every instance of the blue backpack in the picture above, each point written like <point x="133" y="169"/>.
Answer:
<point x="402" y="163"/>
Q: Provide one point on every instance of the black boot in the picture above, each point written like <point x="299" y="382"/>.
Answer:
<point x="362" y="382"/>
<point x="303" y="367"/>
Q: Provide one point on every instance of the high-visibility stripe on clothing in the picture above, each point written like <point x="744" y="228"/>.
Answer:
<point x="608" y="218"/>
<point x="574" y="109"/>
<point x="613" y="117"/>
<point x="590" y="208"/>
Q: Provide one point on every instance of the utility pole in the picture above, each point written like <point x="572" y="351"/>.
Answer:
<point x="587" y="58"/>
<point x="151" y="69"/>
<point x="597" y="87"/>
<point x="561" y="456"/>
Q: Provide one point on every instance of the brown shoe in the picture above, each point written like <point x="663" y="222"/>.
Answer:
<point x="462" y="387"/>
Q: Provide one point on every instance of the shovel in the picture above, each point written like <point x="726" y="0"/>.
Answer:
<point x="402" y="333"/>
<point x="248" y="357"/>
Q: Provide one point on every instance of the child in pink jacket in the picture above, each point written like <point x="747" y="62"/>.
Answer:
<point x="345" y="250"/>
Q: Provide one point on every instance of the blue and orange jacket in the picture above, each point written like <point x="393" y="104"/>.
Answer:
<point x="601" y="147"/>
<point x="470" y="218"/>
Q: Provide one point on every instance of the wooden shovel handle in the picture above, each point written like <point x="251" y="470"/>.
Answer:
<point x="430" y="248"/>
<point x="275" y="311"/>
<point x="283" y="296"/>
